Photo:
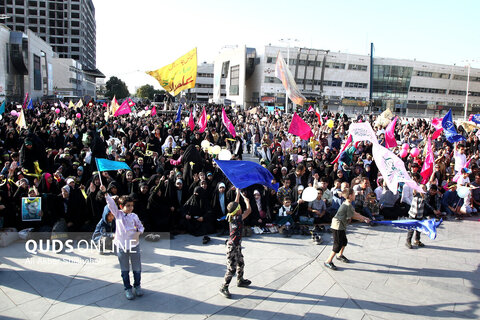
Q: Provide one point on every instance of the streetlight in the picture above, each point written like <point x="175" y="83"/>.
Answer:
<point x="468" y="86"/>
<point x="288" y="41"/>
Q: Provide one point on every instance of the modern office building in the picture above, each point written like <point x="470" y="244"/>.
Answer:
<point x="67" y="25"/>
<point x="347" y="82"/>
<point x="25" y="66"/>
<point x="70" y="81"/>
<point x="203" y="91"/>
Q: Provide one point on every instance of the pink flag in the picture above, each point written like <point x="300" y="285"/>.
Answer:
<point x="427" y="168"/>
<point x="437" y="133"/>
<point x="227" y="123"/>
<point x="437" y="123"/>
<point x="347" y="143"/>
<point x="390" y="141"/>
<point x="202" y="122"/>
<point x="105" y="105"/>
<point x="310" y="109"/>
<point x="63" y="105"/>
<point x="130" y="102"/>
<point x="300" y="128"/>
<point x="299" y="158"/>
<point x="191" y="123"/>
<point x="154" y="111"/>
<point x="123" y="109"/>
<point x="25" y="101"/>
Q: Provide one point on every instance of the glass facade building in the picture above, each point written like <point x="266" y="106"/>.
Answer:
<point x="390" y="86"/>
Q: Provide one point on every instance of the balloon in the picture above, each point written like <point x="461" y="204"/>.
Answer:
<point x="57" y="111"/>
<point x="405" y="146"/>
<point x="78" y="115"/>
<point x="403" y="153"/>
<point x="225" y="155"/>
<point x="205" y="144"/>
<point x="52" y="108"/>
<point x="14" y="113"/>
<point x="330" y="125"/>
<point x="55" y="104"/>
<point x="309" y="194"/>
<point x="69" y="122"/>
<point x="208" y="117"/>
<point x="1" y="117"/>
<point x="19" y="106"/>
<point x="415" y="152"/>
<point x="216" y="149"/>
<point x="463" y="192"/>
<point x="62" y="120"/>
<point x="146" y="108"/>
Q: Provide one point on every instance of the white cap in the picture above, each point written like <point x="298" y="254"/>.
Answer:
<point x="70" y="180"/>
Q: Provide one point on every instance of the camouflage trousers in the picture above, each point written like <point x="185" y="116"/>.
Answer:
<point x="234" y="261"/>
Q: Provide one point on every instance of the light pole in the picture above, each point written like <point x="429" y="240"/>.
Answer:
<point x="288" y="41"/>
<point x="468" y="86"/>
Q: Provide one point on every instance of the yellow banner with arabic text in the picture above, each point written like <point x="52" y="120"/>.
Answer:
<point x="179" y="75"/>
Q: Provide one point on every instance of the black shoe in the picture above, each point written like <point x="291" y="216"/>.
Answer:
<point x="243" y="282"/>
<point x="224" y="291"/>
<point x="419" y="243"/>
<point x="409" y="245"/>
<point x="343" y="258"/>
<point x="206" y="239"/>
<point x="330" y="265"/>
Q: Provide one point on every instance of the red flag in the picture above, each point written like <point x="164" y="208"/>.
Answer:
<point x="318" y="116"/>
<point x="310" y="109"/>
<point x="437" y="123"/>
<point x="227" y="123"/>
<point x="427" y="168"/>
<point x="105" y="105"/>
<point x="300" y="128"/>
<point x="202" y="122"/>
<point x="123" y="109"/>
<point x="437" y="133"/>
<point x="347" y="143"/>
<point x="191" y="124"/>
<point x="154" y="111"/>
<point x="390" y="141"/>
<point x="25" y="101"/>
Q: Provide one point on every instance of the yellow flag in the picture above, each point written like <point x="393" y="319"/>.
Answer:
<point x="179" y="75"/>
<point x="70" y="104"/>
<point x="21" y="120"/>
<point x="114" y="106"/>
<point x="79" y="104"/>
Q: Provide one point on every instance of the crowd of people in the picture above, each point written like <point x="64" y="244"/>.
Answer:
<point x="176" y="186"/>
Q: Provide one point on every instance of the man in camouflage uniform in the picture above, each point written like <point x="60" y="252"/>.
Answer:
<point x="235" y="218"/>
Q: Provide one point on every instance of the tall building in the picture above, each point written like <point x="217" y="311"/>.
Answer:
<point x="67" y="25"/>
<point x="203" y="90"/>
<point x="347" y="82"/>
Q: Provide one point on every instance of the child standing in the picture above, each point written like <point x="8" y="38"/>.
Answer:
<point x="416" y="212"/>
<point x="235" y="218"/>
<point x="339" y="226"/>
<point x="127" y="231"/>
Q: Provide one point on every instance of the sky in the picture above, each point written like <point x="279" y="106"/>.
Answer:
<point x="141" y="35"/>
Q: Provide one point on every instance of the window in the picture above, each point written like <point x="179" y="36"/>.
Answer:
<point x="335" y="65"/>
<point x="428" y="74"/>
<point x="359" y="67"/>
<point x="234" y="80"/>
<point x="428" y="90"/>
<point x="37" y="76"/>
<point x="272" y="80"/>
<point x="457" y="92"/>
<point x="459" y="77"/>
<point x="270" y="60"/>
<point x="356" y="85"/>
<point x="329" y="83"/>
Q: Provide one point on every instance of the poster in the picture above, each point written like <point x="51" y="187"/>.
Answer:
<point x="31" y="208"/>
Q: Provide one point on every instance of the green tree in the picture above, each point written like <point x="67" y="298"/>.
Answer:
<point x="146" y="92"/>
<point x="116" y="87"/>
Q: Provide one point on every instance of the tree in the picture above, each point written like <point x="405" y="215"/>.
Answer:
<point x="146" y="92"/>
<point x="116" y="87"/>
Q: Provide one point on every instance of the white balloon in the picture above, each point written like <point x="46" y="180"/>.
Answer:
<point x="205" y="144"/>
<point x="309" y="194"/>
<point x="52" y="108"/>
<point x="463" y="192"/>
<point x="225" y="155"/>
<point x="69" y="122"/>
<point x="216" y="149"/>
<point x="1" y="117"/>
<point x="62" y="120"/>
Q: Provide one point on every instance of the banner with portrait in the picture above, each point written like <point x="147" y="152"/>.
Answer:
<point x="31" y="209"/>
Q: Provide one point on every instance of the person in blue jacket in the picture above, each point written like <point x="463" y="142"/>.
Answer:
<point x="105" y="231"/>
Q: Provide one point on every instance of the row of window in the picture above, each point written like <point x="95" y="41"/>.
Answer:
<point x="462" y="93"/>
<point x="204" y="85"/>
<point x="440" y="75"/>
<point x="205" y="75"/>
<point x="444" y="91"/>
<point x="327" y="83"/>
<point x="333" y="65"/>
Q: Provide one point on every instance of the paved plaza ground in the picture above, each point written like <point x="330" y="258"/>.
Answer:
<point x="181" y="279"/>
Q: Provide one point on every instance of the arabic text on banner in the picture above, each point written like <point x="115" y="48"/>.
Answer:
<point x="179" y="75"/>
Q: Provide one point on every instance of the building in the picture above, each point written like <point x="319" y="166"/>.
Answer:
<point x="347" y="82"/>
<point x="70" y="81"/>
<point x="25" y="65"/>
<point x="68" y="26"/>
<point x="203" y="91"/>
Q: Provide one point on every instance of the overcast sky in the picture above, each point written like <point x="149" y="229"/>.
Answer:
<point x="140" y="35"/>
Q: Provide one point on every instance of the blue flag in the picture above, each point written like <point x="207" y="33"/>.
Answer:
<point x="179" y="113"/>
<point x="110" y="165"/>
<point x="245" y="173"/>
<point x="30" y="105"/>
<point x="449" y="129"/>
<point x="475" y="118"/>
<point x="429" y="227"/>
<point x="2" y="107"/>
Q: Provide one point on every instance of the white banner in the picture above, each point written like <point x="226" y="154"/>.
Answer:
<point x="362" y="132"/>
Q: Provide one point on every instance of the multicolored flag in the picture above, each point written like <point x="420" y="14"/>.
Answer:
<point x="228" y="124"/>
<point x="300" y="128"/>
<point x="310" y="109"/>
<point x="114" y="105"/>
<point x="283" y="73"/>
<point x="475" y="118"/>
<point x="347" y="143"/>
<point x="179" y="75"/>
<point x="202" y="122"/>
